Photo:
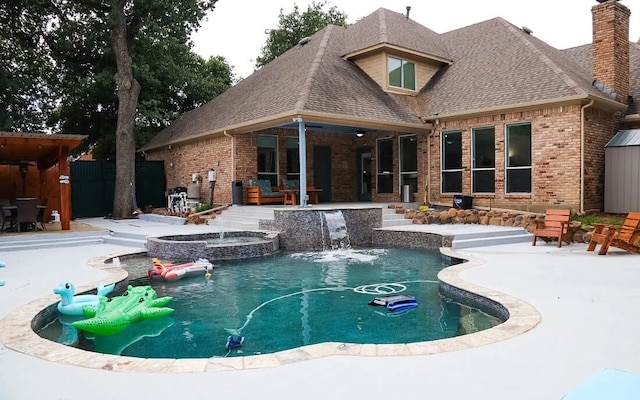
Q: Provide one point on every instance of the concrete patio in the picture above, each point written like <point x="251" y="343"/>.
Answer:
<point x="587" y="305"/>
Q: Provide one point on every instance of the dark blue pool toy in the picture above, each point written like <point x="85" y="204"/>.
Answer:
<point x="395" y="303"/>
<point x="233" y="342"/>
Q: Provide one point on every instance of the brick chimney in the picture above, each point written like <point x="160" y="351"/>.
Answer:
<point x="610" y="49"/>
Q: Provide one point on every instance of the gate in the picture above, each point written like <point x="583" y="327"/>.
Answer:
<point x="93" y="186"/>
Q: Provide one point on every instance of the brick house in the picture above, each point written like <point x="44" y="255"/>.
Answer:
<point x="487" y="111"/>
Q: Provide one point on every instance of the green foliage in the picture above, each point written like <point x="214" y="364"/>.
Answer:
<point x="591" y="219"/>
<point x="203" y="207"/>
<point x="295" y="26"/>
<point x="57" y="67"/>
<point x="25" y="97"/>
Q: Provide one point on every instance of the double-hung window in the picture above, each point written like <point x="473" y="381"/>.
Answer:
<point x="402" y="74"/>
<point x="451" y="162"/>
<point x="385" y="165"/>
<point x="268" y="158"/>
<point x="518" y="158"/>
<point x="293" y="159"/>
<point x="409" y="162"/>
<point x="483" y="166"/>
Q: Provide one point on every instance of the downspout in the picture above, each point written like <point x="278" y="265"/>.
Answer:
<point x="233" y="155"/>
<point x="582" y="140"/>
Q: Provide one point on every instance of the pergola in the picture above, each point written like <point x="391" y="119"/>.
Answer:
<point x="46" y="150"/>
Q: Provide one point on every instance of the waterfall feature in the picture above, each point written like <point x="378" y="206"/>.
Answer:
<point x="337" y="230"/>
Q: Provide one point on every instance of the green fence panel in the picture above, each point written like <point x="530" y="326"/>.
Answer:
<point x="93" y="187"/>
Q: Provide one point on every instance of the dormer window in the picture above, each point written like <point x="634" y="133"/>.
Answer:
<point x="402" y="74"/>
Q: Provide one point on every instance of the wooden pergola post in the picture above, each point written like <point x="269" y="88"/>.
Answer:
<point x="65" y="189"/>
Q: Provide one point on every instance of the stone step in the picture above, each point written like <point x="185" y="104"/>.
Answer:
<point x="56" y="240"/>
<point x="396" y="222"/>
<point x="233" y="224"/>
<point x="128" y="240"/>
<point x="43" y="241"/>
<point x="507" y="236"/>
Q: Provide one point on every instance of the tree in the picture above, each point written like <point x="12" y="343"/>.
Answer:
<point x="25" y="97"/>
<point x="123" y="70"/>
<point x="295" y="26"/>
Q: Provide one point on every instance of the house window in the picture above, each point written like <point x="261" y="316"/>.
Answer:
<point x="409" y="162"/>
<point x="451" y="162"/>
<point x="293" y="159"/>
<point x="268" y="158"/>
<point x="385" y="165"/>
<point x="402" y="74"/>
<point x="483" y="166"/>
<point x="518" y="160"/>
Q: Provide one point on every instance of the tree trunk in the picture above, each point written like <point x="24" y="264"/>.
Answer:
<point x="124" y="203"/>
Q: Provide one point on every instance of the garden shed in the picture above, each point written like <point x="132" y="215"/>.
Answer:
<point x="622" y="172"/>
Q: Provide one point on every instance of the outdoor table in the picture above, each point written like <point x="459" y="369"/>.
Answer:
<point x="291" y="196"/>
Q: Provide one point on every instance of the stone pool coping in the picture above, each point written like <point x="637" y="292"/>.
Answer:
<point x="18" y="335"/>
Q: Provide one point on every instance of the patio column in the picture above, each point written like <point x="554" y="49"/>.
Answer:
<point x="302" y="151"/>
<point x="65" y="190"/>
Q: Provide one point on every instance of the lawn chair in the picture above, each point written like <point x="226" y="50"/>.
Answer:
<point x="623" y="237"/>
<point x="554" y="226"/>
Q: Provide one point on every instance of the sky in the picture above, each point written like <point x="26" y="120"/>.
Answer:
<point x="236" y="28"/>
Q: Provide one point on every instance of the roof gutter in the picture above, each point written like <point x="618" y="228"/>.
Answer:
<point x="284" y="118"/>
<point x="530" y="105"/>
<point x="582" y="140"/>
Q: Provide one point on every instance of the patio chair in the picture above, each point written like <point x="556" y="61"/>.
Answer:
<point x="554" y="226"/>
<point x="9" y="217"/>
<point x="27" y="213"/>
<point x="41" y="209"/>
<point x="624" y="237"/>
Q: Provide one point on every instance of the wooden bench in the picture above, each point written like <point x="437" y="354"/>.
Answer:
<point x="555" y="226"/>
<point x="261" y="192"/>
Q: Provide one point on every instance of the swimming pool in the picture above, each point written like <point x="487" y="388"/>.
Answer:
<point x="291" y="300"/>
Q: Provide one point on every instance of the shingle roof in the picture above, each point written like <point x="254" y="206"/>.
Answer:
<point x="312" y="78"/>
<point x="392" y="28"/>
<point x="497" y="64"/>
<point x="582" y="55"/>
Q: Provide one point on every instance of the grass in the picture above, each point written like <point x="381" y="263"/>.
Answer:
<point x="591" y="219"/>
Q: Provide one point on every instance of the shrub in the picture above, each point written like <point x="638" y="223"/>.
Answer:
<point x="203" y="207"/>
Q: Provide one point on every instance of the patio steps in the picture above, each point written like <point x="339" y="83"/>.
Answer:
<point x="391" y="218"/>
<point x="243" y="218"/>
<point x="500" y="235"/>
<point x="61" y="240"/>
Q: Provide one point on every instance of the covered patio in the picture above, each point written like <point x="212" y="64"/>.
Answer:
<point x="49" y="154"/>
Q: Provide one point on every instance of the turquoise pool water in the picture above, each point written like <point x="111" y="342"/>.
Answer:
<point x="287" y="301"/>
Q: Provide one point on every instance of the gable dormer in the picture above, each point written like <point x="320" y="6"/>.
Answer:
<point x="396" y="52"/>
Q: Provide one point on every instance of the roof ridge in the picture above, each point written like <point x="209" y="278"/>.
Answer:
<point x="315" y="65"/>
<point x="543" y="57"/>
<point x="383" y="27"/>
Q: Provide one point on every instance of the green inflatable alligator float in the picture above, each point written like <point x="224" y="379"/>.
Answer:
<point x="113" y="315"/>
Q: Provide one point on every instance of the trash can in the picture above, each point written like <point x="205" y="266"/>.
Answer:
<point x="462" y="202"/>
<point x="236" y="192"/>
<point x="406" y="194"/>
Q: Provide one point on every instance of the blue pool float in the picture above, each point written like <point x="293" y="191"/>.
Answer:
<point x="72" y="305"/>
<point x="395" y="303"/>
